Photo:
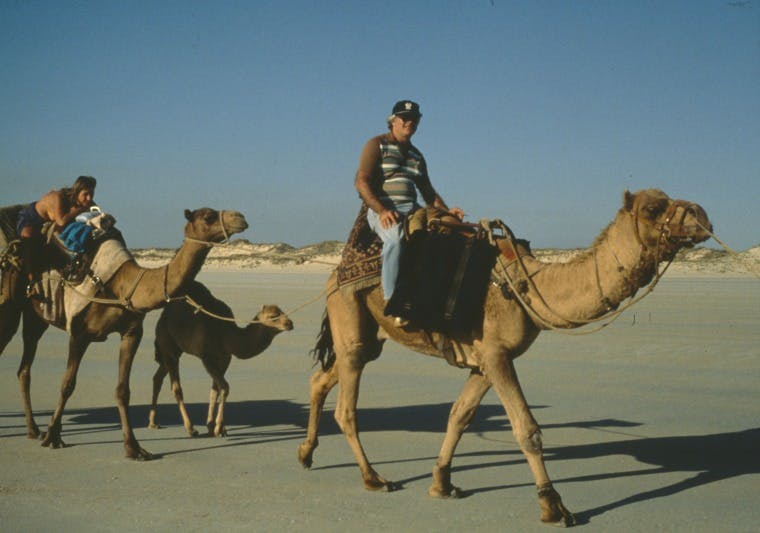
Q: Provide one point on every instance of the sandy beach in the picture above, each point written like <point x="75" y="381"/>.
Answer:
<point x="652" y="424"/>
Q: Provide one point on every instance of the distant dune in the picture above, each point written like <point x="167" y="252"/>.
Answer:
<point x="240" y="254"/>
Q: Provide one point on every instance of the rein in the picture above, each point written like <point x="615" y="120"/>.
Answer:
<point x="126" y="302"/>
<point x="668" y="232"/>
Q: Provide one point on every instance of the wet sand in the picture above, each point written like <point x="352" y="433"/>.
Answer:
<point x="652" y="424"/>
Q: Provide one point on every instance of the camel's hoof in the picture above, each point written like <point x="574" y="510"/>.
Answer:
<point x="193" y="433"/>
<point x="155" y="426"/>
<point x="222" y="432"/>
<point x="381" y="485"/>
<point x="34" y="433"/>
<point x="52" y="441"/>
<point x="553" y="511"/>
<point x="305" y="453"/>
<point x="451" y="493"/>
<point x="138" y="454"/>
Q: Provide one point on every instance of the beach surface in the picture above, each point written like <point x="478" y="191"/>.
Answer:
<point x="652" y="424"/>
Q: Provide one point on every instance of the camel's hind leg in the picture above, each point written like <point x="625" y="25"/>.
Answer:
<point x="77" y="347"/>
<point x="167" y="355"/>
<point x="501" y="372"/>
<point x="32" y="331"/>
<point x="350" y="368"/>
<point x="461" y="414"/>
<point x="322" y="382"/>
<point x="172" y="364"/>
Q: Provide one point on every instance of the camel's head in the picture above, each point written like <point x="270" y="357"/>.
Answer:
<point x="665" y="225"/>
<point x="274" y="317"/>
<point x="209" y="225"/>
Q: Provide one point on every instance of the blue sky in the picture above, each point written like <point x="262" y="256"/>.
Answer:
<point x="540" y="113"/>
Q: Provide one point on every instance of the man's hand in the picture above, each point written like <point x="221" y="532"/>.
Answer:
<point x="388" y="218"/>
<point x="457" y="212"/>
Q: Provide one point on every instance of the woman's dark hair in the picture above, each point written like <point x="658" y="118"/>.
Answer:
<point x="82" y="182"/>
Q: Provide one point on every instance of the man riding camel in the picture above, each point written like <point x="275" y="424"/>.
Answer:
<point x="391" y="170"/>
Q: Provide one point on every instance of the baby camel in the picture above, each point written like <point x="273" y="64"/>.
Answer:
<point x="181" y="329"/>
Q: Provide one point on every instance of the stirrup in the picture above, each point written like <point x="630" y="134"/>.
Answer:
<point x="33" y="289"/>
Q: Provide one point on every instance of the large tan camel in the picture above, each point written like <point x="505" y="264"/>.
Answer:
<point x="181" y="328"/>
<point x="649" y="228"/>
<point x="144" y="289"/>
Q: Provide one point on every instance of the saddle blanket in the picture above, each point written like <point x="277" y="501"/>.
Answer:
<point x="62" y="303"/>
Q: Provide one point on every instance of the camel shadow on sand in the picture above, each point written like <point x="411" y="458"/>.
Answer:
<point x="704" y="459"/>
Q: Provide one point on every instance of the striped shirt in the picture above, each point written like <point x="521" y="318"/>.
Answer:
<point x="396" y="175"/>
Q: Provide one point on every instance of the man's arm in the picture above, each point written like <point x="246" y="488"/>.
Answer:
<point x="368" y="163"/>
<point x="53" y="207"/>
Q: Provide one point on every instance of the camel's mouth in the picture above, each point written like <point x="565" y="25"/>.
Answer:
<point x="689" y="227"/>
<point x="234" y="222"/>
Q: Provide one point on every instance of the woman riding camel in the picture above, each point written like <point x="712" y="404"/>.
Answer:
<point x="59" y="207"/>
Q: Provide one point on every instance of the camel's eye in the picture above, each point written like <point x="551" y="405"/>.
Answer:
<point x="653" y="209"/>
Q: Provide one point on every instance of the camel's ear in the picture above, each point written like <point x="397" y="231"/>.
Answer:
<point x="188" y="214"/>
<point x="628" y="199"/>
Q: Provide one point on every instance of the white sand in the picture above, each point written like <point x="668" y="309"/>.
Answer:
<point x="652" y="424"/>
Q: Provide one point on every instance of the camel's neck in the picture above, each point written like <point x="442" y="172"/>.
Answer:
<point x="155" y="284"/>
<point x="185" y="265"/>
<point x="594" y="283"/>
<point x="251" y="340"/>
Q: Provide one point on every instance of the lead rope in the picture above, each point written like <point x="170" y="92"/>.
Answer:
<point x="612" y="315"/>
<point x="751" y="268"/>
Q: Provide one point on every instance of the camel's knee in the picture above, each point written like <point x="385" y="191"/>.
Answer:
<point x="177" y="391"/>
<point x="67" y="388"/>
<point x="123" y="394"/>
<point x="532" y="442"/>
<point x="346" y="422"/>
<point x="158" y="378"/>
<point x="24" y="374"/>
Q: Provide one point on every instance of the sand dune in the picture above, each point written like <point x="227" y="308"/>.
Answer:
<point x="241" y="254"/>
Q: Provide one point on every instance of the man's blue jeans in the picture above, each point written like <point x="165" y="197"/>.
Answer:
<point x="392" y="241"/>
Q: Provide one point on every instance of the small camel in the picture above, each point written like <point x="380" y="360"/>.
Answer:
<point x="144" y="290"/>
<point x="182" y="329"/>
<point x="649" y="228"/>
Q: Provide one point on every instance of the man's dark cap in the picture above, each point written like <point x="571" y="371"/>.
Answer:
<point x="407" y="108"/>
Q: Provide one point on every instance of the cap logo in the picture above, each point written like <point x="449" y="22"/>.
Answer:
<point x="408" y="106"/>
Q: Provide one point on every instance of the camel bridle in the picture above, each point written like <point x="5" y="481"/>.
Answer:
<point x="211" y="244"/>
<point x="672" y="229"/>
<point x="673" y="234"/>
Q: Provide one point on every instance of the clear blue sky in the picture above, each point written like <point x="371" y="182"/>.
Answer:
<point x="540" y="113"/>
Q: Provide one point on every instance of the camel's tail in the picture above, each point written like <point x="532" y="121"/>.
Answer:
<point x="323" y="351"/>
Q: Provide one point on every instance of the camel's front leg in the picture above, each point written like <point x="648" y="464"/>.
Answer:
<point x="461" y="414"/>
<point x="32" y="331"/>
<point x="130" y="340"/>
<point x="500" y="370"/>
<point x="321" y="383"/>
<point x="77" y="347"/>
<point x="220" y="390"/>
<point x="349" y="374"/>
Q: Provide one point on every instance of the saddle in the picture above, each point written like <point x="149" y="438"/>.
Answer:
<point x="444" y="270"/>
<point x="74" y="248"/>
